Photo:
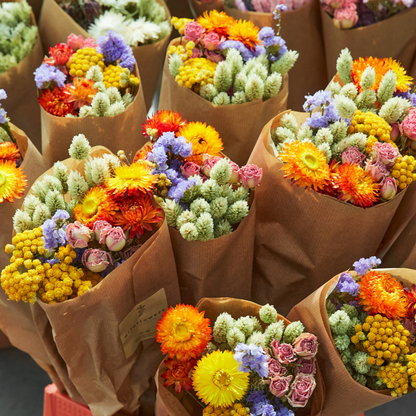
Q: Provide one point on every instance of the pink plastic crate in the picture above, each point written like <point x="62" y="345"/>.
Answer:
<point x="58" y="404"/>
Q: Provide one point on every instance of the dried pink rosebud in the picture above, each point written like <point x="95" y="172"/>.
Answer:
<point x="96" y="260"/>
<point x="78" y="235"/>
<point x="115" y="239"/>
<point x="388" y="188"/>
<point x="101" y="228"/>
<point x="251" y="176"/>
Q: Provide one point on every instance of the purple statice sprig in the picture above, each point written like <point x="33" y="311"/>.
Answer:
<point x="260" y="405"/>
<point x="347" y="284"/>
<point x="47" y="76"/>
<point x="319" y="99"/>
<point x="176" y="192"/>
<point x="114" y="48"/>
<point x="251" y="358"/>
<point x="54" y="230"/>
<point x="3" y="114"/>
<point x="363" y="266"/>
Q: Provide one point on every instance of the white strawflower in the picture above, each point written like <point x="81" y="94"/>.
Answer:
<point x="109" y="20"/>
<point x="141" y="31"/>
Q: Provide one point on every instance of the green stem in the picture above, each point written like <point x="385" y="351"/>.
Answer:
<point x="195" y="398"/>
<point x="8" y="130"/>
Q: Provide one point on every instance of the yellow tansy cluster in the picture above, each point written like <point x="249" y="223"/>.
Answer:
<point x="234" y="410"/>
<point x="112" y="75"/>
<point x="195" y="72"/>
<point x="181" y="51"/>
<point x="82" y="60"/>
<point x="382" y="338"/>
<point x="411" y="368"/>
<point x="64" y="281"/>
<point x="179" y="24"/>
<point x="403" y="171"/>
<point x="395" y="376"/>
<point x="376" y="128"/>
<point x="20" y="285"/>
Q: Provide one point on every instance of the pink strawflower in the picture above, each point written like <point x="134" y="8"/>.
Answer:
<point x="353" y="155"/>
<point x="385" y="153"/>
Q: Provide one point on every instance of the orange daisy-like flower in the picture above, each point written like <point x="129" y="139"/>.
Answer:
<point x="12" y="181"/>
<point x="215" y="21"/>
<point x="331" y="188"/>
<point x="246" y="32"/>
<point x="305" y="165"/>
<point x="131" y="179"/>
<point x="361" y="64"/>
<point x="54" y="103"/>
<point x="381" y="293"/>
<point x="96" y="205"/>
<point x="179" y="374"/>
<point x="161" y="122"/>
<point x="356" y="186"/>
<point x="81" y="92"/>
<point x="205" y="140"/>
<point x="9" y="151"/>
<point x="183" y="332"/>
<point x="403" y="81"/>
<point x="137" y="213"/>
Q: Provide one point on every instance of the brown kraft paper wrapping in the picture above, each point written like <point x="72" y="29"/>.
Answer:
<point x="21" y="104"/>
<point x="302" y="237"/>
<point x="238" y="124"/>
<point x="33" y="165"/>
<point x="200" y="7"/>
<point x="394" y="37"/>
<point x="36" y="7"/>
<point x="168" y="403"/>
<point x="78" y="341"/>
<point x="121" y="132"/>
<point x="301" y="29"/>
<point x="179" y="8"/>
<point x="344" y="396"/>
<point x="56" y="26"/>
<point x="218" y="267"/>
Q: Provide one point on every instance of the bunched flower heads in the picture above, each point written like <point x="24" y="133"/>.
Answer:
<point x="217" y="380"/>
<point x="183" y="332"/>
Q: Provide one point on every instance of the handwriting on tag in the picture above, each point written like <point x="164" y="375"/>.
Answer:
<point x="140" y="323"/>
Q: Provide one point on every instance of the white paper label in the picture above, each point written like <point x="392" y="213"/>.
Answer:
<point x="140" y="323"/>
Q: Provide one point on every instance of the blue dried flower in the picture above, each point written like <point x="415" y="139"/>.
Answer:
<point x="319" y="99"/>
<point x="54" y="236"/>
<point x="46" y="76"/>
<point x="266" y="32"/>
<point x="176" y="192"/>
<point x="347" y="284"/>
<point x="362" y="266"/>
<point x="3" y="94"/>
<point x="3" y="116"/>
<point x="113" y="47"/>
<point x="181" y="147"/>
<point x="251" y="357"/>
<point x="235" y="44"/>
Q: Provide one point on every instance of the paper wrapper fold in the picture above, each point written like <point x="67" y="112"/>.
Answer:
<point x="78" y="341"/>
<point x="33" y="165"/>
<point x="301" y="29"/>
<point x="168" y="403"/>
<point x="238" y="124"/>
<point x="21" y="104"/>
<point x="122" y="132"/>
<point x="302" y="237"/>
<point x="344" y="396"/>
<point x="394" y="37"/>
<point x="56" y="25"/>
<point x="218" y="267"/>
<point x="199" y="7"/>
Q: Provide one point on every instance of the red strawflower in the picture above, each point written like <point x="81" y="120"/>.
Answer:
<point x="179" y="374"/>
<point x="163" y="121"/>
<point x="54" y="103"/>
<point x="411" y="298"/>
<point x="59" y="55"/>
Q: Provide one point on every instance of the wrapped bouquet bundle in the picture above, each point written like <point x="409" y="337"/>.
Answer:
<point x="91" y="88"/>
<point x="21" y="164"/>
<point x="208" y="204"/>
<point x="344" y="154"/>
<point x="308" y="41"/>
<point x="365" y="323"/>
<point x="86" y="256"/>
<point x="389" y="24"/>
<point x="241" y="359"/>
<point x="143" y="24"/>
<point x="231" y="72"/>
<point x="20" y="53"/>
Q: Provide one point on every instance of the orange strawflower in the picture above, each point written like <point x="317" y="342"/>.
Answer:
<point x="12" y="181"/>
<point x="381" y="293"/>
<point x="54" y="103"/>
<point x="81" y="92"/>
<point x="137" y="213"/>
<point x="179" y="374"/>
<point x="305" y="165"/>
<point x="9" y="151"/>
<point x="246" y="32"/>
<point x="131" y="179"/>
<point x="205" y="140"/>
<point x="361" y="64"/>
<point x="96" y="205"/>
<point x="161" y="122"/>
<point x="356" y="186"/>
<point x="183" y="332"/>
<point x="215" y="21"/>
